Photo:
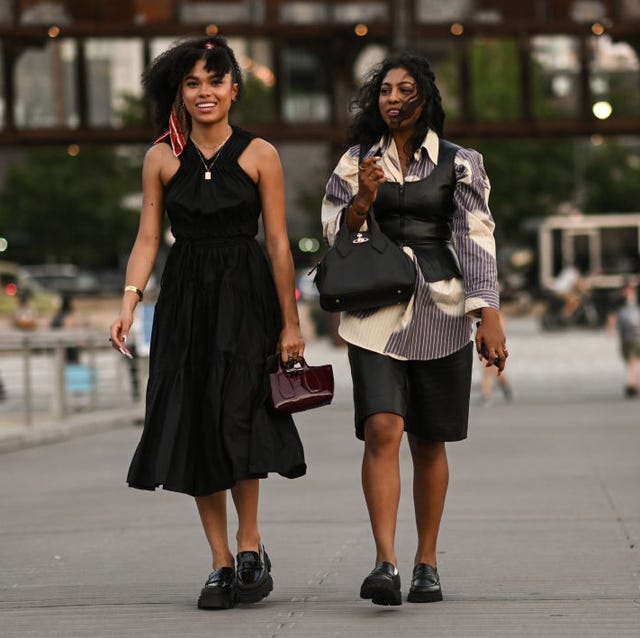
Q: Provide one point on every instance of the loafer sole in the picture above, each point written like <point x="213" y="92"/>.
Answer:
<point x="381" y="594"/>
<point x="424" y="596"/>
<point x="255" y="593"/>
<point x="216" y="599"/>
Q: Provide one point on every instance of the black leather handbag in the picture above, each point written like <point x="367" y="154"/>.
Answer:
<point x="297" y="386"/>
<point x="363" y="270"/>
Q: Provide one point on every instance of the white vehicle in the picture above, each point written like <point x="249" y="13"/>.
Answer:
<point x="604" y="248"/>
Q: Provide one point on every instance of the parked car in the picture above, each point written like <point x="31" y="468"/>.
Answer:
<point x="16" y="283"/>
<point x="64" y="278"/>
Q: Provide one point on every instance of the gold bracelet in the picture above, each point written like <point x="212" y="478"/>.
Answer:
<point x="134" y="289"/>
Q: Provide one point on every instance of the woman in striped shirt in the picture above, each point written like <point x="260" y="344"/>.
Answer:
<point x="411" y="364"/>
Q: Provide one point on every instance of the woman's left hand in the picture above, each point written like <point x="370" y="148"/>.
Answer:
<point x="291" y="344"/>
<point x="490" y="337"/>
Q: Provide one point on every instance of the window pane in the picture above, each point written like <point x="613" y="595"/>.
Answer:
<point x="495" y="78"/>
<point x="44" y="12"/>
<point x="256" y="61"/>
<point x="306" y="98"/>
<point x="221" y="12"/>
<point x="619" y="250"/>
<point x="630" y="9"/>
<point x="5" y="11"/>
<point x="433" y="11"/>
<point x="359" y="12"/>
<point x="444" y="57"/>
<point x="615" y="75"/>
<point x="304" y="12"/>
<point x="314" y="12"/>
<point x="555" y="76"/>
<point x="45" y="81"/>
<point x="114" y="67"/>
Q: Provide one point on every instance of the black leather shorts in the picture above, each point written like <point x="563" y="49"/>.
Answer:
<point x="431" y="396"/>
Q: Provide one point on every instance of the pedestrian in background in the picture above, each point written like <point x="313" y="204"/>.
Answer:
<point x="220" y="314"/>
<point x="24" y="317"/>
<point x="626" y="316"/>
<point x="491" y="374"/>
<point x="411" y="364"/>
<point x="64" y="319"/>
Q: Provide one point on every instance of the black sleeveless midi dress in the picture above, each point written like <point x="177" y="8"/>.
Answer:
<point x="217" y="321"/>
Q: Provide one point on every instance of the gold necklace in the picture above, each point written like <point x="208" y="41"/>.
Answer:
<point x="207" y="167"/>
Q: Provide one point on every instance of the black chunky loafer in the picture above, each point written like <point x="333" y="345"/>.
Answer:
<point x="219" y="592"/>
<point x="425" y="585"/>
<point x="254" y="576"/>
<point x="382" y="585"/>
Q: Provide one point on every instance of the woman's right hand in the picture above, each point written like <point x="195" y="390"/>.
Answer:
<point x="370" y="176"/>
<point x="120" y="331"/>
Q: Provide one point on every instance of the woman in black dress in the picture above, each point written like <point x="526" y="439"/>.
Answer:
<point x="221" y="313"/>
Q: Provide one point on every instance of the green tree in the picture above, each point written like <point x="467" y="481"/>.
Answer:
<point x="59" y="208"/>
<point x="256" y="104"/>
<point x="494" y="78"/>
<point x="532" y="178"/>
<point x="612" y="178"/>
<point x="529" y="178"/>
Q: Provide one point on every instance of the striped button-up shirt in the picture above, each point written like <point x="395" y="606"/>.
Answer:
<point x="438" y="319"/>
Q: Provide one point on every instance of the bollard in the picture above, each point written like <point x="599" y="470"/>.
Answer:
<point x="59" y="403"/>
<point x="93" y="371"/>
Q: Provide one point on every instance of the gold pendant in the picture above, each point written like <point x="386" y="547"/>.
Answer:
<point x="207" y="174"/>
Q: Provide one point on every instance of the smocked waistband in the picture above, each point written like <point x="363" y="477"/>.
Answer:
<point x="214" y="241"/>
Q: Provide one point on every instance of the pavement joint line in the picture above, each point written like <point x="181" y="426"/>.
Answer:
<point x="609" y="499"/>
<point x="319" y="580"/>
<point x="451" y="598"/>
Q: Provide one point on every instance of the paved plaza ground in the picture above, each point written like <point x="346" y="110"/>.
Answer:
<point x="539" y="538"/>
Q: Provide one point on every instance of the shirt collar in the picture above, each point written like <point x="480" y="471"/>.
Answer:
<point x="430" y="143"/>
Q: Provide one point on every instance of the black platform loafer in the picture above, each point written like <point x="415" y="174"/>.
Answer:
<point x="254" y="576"/>
<point x="425" y="585"/>
<point x="219" y="592"/>
<point x="382" y="585"/>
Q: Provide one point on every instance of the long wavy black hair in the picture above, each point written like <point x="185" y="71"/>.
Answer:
<point x="163" y="76"/>
<point x="368" y="126"/>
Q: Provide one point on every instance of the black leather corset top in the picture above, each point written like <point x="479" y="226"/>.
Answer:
<point x="419" y="215"/>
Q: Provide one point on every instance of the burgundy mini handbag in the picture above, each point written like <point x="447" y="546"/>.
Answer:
<point x="297" y="386"/>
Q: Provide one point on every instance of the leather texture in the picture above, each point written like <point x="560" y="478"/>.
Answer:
<point x="382" y="585"/>
<point x="425" y="584"/>
<point x="363" y="270"/>
<point x="254" y="575"/>
<point x="298" y="386"/>
<point x="219" y="590"/>
<point x="420" y="215"/>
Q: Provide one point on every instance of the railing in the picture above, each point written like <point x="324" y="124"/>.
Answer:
<point x="37" y="380"/>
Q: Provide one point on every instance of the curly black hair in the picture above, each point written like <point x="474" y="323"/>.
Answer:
<point x="163" y="76"/>
<point x="368" y="126"/>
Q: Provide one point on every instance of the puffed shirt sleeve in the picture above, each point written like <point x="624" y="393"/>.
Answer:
<point x="341" y="187"/>
<point x="473" y="227"/>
